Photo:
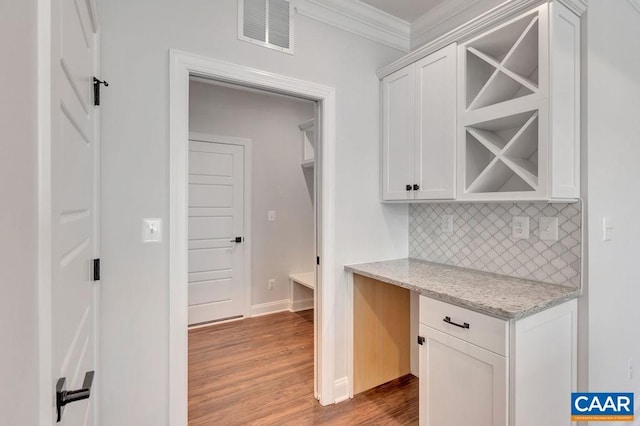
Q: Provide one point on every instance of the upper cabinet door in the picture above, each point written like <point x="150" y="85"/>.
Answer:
<point x="398" y="134"/>
<point x="435" y="125"/>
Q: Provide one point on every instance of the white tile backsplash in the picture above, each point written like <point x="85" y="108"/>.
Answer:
<point x="482" y="240"/>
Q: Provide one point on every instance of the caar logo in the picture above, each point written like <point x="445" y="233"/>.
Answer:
<point x="602" y="407"/>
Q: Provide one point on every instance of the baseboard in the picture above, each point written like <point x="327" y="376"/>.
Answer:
<point x="300" y="305"/>
<point x="270" y="307"/>
<point x="341" y="389"/>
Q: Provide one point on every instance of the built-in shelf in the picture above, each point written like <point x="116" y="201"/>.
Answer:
<point x="503" y="65"/>
<point x="308" y="143"/>
<point x="501" y="128"/>
<point x="307" y="279"/>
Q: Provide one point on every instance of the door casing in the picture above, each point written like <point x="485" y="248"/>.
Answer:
<point x="182" y="67"/>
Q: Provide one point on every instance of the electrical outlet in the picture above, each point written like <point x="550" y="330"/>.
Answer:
<point x="548" y="228"/>
<point x="446" y="226"/>
<point x="271" y="284"/>
<point x="520" y="227"/>
<point x="271" y="215"/>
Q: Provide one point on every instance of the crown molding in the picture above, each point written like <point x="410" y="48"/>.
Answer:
<point x="436" y="17"/>
<point x="495" y="16"/>
<point x="576" y="6"/>
<point x="635" y="4"/>
<point x="359" y="18"/>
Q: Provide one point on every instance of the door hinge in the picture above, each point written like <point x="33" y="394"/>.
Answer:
<point x="96" y="90"/>
<point x="317" y="260"/>
<point x="420" y="340"/>
<point x="96" y="269"/>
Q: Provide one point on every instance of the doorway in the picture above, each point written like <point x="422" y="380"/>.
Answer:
<point x="184" y="66"/>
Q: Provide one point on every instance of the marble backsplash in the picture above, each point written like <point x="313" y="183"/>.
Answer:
<point x="481" y="239"/>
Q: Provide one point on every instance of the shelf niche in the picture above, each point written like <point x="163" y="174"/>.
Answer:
<point x="502" y="154"/>
<point x="503" y="65"/>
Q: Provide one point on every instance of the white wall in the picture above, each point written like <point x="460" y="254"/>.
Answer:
<point x="18" y="215"/>
<point x="613" y="31"/>
<point x="136" y="36"/>
<point x="278" y="182"/>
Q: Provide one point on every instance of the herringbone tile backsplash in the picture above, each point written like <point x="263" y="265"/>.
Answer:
<point x="481" y="239"/>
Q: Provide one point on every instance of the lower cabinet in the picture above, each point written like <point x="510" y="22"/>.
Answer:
<point x="483" y="371"/>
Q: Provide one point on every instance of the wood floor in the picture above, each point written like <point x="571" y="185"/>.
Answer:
<point x="259" y="371"/>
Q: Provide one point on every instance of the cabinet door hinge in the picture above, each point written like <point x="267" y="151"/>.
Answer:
<point x="96" y="269"/>
<point x="420" y="340"/>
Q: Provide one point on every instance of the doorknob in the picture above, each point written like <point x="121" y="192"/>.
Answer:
<point x="237" y="240"/>
<point x="64" y="397"/>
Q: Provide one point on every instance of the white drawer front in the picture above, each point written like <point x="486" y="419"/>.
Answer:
<point x="473" y="327"/>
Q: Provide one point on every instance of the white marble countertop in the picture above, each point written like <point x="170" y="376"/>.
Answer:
<point x="495" y="295"/>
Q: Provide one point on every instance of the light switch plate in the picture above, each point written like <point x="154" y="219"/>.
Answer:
<point x="520" y="227"/>
<point x="548" y="228"/>
<point x="271" y="215"/>
<point x="151" y="230"/>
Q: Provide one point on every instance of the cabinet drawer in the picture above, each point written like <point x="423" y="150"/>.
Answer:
<point x="484" y="331"/>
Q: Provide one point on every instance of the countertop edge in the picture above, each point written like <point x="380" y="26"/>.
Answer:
<point x="496" y="313"/>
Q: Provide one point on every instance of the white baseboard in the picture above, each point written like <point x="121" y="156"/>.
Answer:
<point x="301" y="305"/>
<point x="341" y="389"/>
<point x="270" y="307"/>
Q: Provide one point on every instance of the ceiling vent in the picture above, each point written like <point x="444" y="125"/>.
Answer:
<point x="268" y="23"/>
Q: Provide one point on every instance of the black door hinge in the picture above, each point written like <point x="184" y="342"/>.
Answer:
<point x="420" y="340"/>
<point x="96" y="90"/>
<point x="317" y="260"/>
<point x="96" y="269"/>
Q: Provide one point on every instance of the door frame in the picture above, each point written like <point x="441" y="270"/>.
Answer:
<point x="182" y="65"/>
<point x="247" y="144"/>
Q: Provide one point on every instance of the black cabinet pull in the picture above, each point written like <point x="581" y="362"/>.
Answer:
<point x="64" y="397"/>
<point x="408" y="187"/>
<point x="416" y="187"/>
<point x="463" y="325"/>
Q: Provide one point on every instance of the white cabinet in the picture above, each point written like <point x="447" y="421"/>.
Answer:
<point x="419" y="125"/>
<point x="514" y="105"/>
<point x="483" y="371"/>
<point x="519" y="109"/>
<point x="460" y="383"/>
<point x="397" y="136"/>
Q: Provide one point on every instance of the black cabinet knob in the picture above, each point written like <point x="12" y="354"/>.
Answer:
<point x="408" y="187"/>
<point x="416" y="187"/>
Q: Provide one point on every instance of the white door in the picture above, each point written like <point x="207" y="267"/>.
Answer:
<point x="216" y="220"/>
<point x="435" y="123"/>
<point x="461" y="384"/>
<point x="73" y="189"/>
<point x="398" y="135"/>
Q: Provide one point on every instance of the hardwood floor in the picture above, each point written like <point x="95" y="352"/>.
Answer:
<point x="259" y="371"/>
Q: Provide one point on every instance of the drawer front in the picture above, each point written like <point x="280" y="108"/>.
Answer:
<point x="473" y="327"/>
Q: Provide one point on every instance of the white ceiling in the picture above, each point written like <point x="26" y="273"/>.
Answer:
<point x="407" y="10"/>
